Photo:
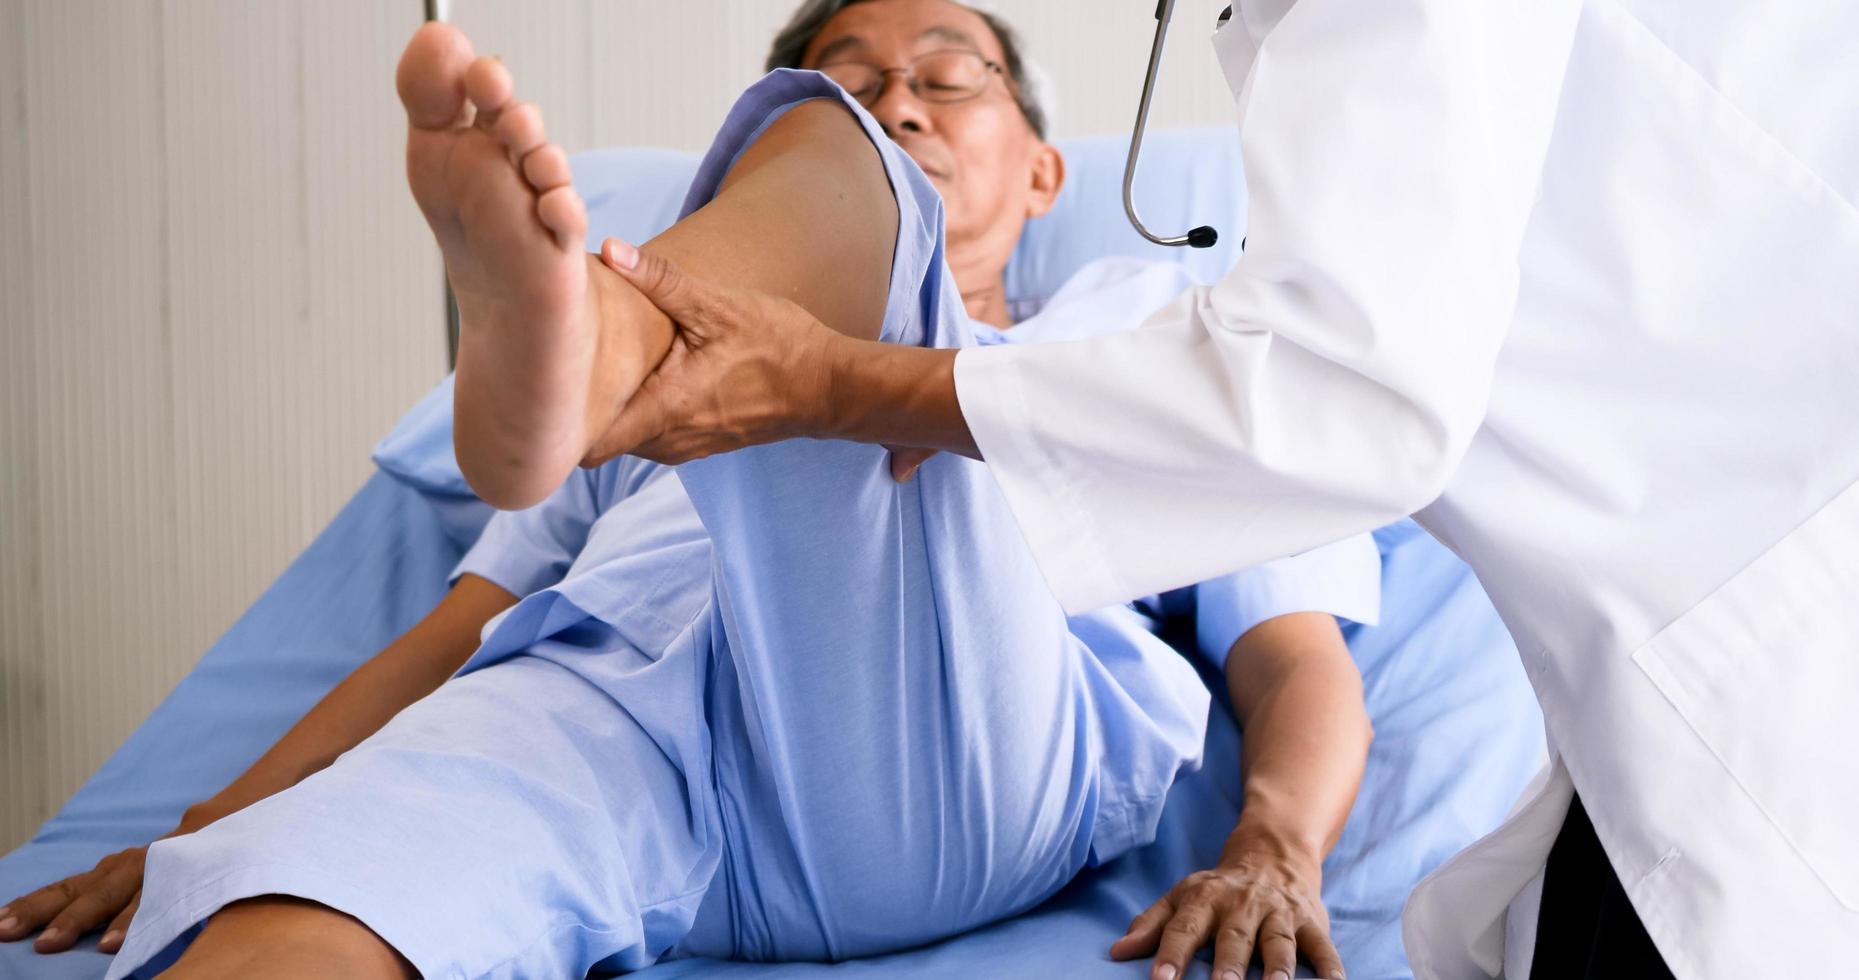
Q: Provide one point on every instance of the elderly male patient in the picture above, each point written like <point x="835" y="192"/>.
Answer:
<point x="778" y="706"/>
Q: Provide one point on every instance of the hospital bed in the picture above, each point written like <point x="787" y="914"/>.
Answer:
<point x="1457" y="732"/>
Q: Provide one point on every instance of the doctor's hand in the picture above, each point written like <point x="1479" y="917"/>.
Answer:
<point x="745" y="368"/>
<point x="108" y="893"/>
<point x="1264" y="897"/>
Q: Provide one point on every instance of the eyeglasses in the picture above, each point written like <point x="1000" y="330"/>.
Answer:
<point x="941" y="77"/>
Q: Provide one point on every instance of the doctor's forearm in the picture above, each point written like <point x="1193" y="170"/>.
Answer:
<point x="894" y="395"/>
<point x="1306" y="733"/>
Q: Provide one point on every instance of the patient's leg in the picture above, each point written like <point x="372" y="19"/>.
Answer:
<point x="929" y="743"/>
<point x="282" y="938"/>
<point x="552" y="343"/>
<point x="518" y="822"/>
<point x="911" y="737"/>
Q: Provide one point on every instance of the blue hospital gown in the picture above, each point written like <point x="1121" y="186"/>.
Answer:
<point x="768" y="706"/>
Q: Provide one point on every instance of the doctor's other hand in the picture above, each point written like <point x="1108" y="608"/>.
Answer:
<point x="1264" y="897"/>
<point x="744" y="368"/>
<point x="106" y="895"/>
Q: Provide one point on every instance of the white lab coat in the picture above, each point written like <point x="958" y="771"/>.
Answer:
<point x="1581" y="279"/>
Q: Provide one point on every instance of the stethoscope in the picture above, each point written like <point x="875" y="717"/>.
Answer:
<point x="1205" y="235"/>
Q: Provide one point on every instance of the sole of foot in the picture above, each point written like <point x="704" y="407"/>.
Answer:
<point x="501" y="203"/>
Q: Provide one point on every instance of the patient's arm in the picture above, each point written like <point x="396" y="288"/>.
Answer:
<point x="552" y="343"/>
<point x="406" y="670"/>
<point x="1298" y="696"/>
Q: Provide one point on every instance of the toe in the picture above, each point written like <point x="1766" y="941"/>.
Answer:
<point x="563" y="213"/>
<point x="520" y="128"/>
<point x="547" y="168"/>
<point x="431" y="76"/>
<point x="488" y="84"/>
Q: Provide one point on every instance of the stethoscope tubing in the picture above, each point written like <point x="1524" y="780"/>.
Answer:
<point x="1201" y="237"/>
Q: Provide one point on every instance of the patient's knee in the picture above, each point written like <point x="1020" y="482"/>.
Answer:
<point x="279" y="936"/>
<point x="814" y="188"/>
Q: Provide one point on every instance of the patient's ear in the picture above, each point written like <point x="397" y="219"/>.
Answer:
<point x="1048" y="179"/>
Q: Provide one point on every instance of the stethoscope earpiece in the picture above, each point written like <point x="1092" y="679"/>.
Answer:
<point x="1204" y="236"/>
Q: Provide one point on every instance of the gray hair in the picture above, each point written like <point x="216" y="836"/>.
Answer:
<point x="790" y="48"/>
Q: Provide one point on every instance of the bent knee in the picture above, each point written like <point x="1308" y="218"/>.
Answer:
<point x="282" y="936"/>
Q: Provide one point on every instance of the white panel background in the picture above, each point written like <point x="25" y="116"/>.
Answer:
<point x="216" y="293"/>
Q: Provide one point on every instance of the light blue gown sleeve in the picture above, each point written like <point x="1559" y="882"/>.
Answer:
<point x="1342" y="579"/>
<point x="525" y="551"/>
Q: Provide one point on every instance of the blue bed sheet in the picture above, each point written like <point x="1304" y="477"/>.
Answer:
<point x="1457" y="735"/>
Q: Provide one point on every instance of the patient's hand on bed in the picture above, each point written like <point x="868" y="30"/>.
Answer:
<point x="1264" y="897"/>
<point x="408" y="669"/>
<point x="1298" y="696"/>
<point x="107" y="893"/>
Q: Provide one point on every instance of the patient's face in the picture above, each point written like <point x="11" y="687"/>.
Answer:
<point x="992" y="170"/>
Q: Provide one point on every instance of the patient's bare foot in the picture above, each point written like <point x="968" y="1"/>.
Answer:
<point x="499" y="199"/>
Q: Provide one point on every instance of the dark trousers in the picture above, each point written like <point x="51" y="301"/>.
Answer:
<point x="1587" y="929"/>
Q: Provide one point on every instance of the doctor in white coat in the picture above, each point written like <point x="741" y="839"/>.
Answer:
<point x="1578" y="281"/>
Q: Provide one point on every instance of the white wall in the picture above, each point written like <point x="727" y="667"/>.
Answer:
<point x="627" y="72"/>
<point x="216" y="295"/>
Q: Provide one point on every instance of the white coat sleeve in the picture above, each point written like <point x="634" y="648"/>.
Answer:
<point x="1330" y="383"/>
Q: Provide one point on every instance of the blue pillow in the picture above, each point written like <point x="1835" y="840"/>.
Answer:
<point x="418" y="453"/>
<point x="1189" y="177"/>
